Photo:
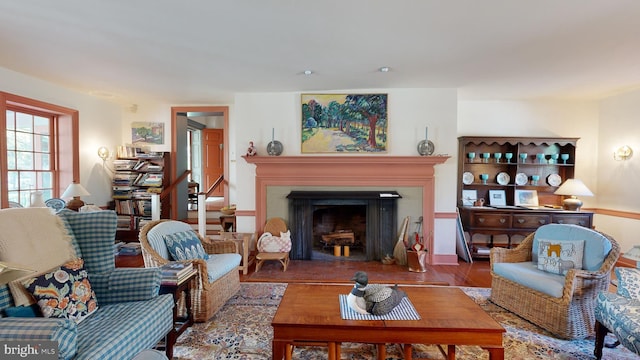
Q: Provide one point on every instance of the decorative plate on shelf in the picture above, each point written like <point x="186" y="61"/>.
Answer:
<point x="503" y="178"/>
<point x="467" y="178"/>
<point x="521" y="179"/>
<point x="55" y="203"/>
<point x="554" y="180"/>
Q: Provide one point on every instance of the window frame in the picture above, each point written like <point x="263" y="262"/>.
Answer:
<point x="65" y="141"/>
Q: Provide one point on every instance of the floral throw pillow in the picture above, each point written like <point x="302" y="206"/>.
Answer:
<point x="64" y="292"/>
<point x="558" y="256"/>
<point x="185" y="245"/>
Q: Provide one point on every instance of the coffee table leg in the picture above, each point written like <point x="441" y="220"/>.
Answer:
<point x="278" y="349"/>
<point x="495" y="353"/>
<point x="408" y="351"/>
<point x="451" y="352"/>
<point x="382" y="351"/>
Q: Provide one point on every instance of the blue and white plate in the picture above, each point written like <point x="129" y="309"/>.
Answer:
<point x="56" y="204"/>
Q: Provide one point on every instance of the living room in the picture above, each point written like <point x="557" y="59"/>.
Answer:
<point x="600" y="110"/>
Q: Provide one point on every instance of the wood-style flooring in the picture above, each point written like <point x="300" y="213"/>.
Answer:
<point x="476" y="274"/>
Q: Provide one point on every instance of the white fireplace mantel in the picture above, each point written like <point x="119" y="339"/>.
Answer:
<point x="348" y="170"/>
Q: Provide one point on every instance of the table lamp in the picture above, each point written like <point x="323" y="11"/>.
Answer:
<point x="573" y="188"/>
<point x="75" y="190"/>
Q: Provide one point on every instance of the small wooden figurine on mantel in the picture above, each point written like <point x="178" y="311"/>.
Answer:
<point x="251" y="151"/>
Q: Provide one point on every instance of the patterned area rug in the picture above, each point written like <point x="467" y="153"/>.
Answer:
<point x="242" y="330"/>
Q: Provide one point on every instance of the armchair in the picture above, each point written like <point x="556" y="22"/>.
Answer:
<point x="130" y="317"/>
<point x="218" y="278"/>
<point x="619" y="312"/>
<point x="562" y="304"/>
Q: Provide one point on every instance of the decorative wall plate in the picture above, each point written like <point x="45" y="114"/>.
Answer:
<point x="503" y="178"/>
<point x="425" y="147"/>
<point x="274" y="148"/>
<point x="55" y="203"/>
<point x="467" y="178"/>
<point x="521" y="179"/>
<point x="554" y="180"/>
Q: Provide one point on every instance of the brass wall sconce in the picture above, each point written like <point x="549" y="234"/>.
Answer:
<point x="103" y="153"/>
<point x="624" y="152"/>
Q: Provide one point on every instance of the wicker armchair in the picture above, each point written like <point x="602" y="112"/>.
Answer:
<point x="571" y="314"/>
<point x="211" y="292"/>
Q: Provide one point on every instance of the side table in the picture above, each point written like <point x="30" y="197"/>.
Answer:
<point x="246" y="243"/>
<point x="180" y="324"/>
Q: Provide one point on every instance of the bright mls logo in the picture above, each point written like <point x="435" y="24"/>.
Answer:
<point x="33" y="350"/>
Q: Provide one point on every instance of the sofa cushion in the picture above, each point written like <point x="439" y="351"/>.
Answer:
<point x="527" y="274"/>
<point x="185" y="245"/>
<point x="119" y="331"/>
<point x="23" y="311"/>
<point x="596" y="245"/>
<point x="64" y="292"/>
<point x="220" y="264"/>
<point x="558" y="256"/>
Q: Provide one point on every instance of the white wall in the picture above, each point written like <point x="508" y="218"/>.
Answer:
<point x="100" y="124"/>
<point x="410" y="111"/>
<point x="620" y="125"/>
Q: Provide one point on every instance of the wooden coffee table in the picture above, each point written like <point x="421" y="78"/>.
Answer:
<point x="310" y="313"/>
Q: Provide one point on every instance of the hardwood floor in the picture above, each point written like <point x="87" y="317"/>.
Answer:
<point x="476" y="274"/>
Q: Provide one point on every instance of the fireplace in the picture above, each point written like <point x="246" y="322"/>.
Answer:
<point x="346" y="171"/>
<point x="380" y="211"/>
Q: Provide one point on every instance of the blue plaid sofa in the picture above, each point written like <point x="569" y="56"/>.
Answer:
<point x="131" y="316"/>
<point x="619" y="312"/>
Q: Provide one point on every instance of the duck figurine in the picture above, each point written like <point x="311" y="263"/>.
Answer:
<point x="374" y="299"/>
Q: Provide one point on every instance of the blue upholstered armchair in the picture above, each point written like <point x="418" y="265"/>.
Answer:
<point x="619" y="312"/>
<point x="130" y="315"/>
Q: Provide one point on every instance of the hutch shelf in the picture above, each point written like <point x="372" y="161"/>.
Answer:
<point x="499" y="180"/>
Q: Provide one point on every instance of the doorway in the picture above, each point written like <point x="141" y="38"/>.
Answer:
<point x="182" y="159"/>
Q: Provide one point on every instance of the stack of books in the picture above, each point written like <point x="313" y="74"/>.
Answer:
<point x="174" y="272"/>
<point x="132" y="248"/>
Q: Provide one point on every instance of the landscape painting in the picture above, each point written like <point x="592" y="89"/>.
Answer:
<point x="344" y="123"/>
<point x="147" y="132"/>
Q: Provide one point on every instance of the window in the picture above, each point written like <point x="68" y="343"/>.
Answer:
<point x="29" y="155"/>
<point x="40" y="151"/>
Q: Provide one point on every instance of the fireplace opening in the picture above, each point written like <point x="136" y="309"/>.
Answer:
<point x="342" y="226"/>
<point x="319" y="220"/>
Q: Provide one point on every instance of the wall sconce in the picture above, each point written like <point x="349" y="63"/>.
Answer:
<point x="624" y="152"/>
<point x="103" y="153"/>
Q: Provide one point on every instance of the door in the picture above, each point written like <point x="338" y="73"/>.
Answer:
<point x="212" y="159"/>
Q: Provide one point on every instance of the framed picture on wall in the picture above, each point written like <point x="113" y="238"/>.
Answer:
<point x="344" y="123"/>
<point x="497" y="198"/>
<point x="469" y="197"/>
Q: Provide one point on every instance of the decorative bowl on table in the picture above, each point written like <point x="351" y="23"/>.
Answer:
<point x="228" y="210"/>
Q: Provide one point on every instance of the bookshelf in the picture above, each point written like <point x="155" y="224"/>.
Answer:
<point x="135" y="179"/>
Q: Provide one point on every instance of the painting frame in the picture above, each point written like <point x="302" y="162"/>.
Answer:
<point x="525" y="198"/>
<point x="497" y="198"/>
<point x="469" y="197"/>
<point x="344" y="123"/>
<point x="147" y="133"/>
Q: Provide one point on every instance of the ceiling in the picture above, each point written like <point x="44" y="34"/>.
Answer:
<point x="205" y="51"/>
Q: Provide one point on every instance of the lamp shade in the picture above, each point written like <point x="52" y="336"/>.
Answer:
<point x="573" y="188"/>
<point x="75" y="190"/>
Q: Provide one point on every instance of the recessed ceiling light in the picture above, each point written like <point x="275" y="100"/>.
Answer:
<point x="307" y="72"/>
<point x="384" y="69"/>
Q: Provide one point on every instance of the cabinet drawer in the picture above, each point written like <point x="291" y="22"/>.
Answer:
<point x="576" y="219"/>
<point x="491" y="220"/>
<point x="530" y="221"/>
